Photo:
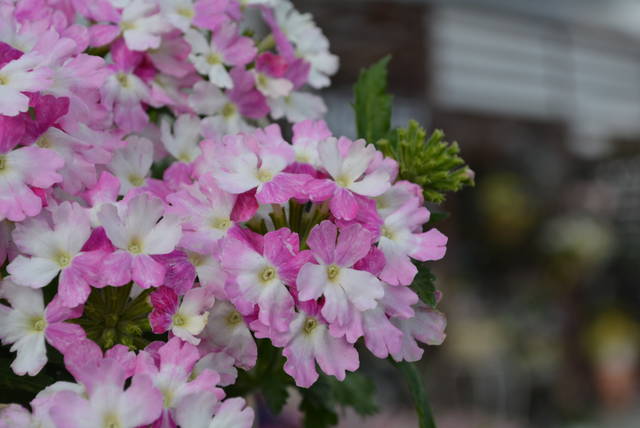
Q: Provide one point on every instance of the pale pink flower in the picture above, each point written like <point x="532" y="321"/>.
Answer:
<point x="226" y="48"/>
<point x="307" y="135"/>
<point x="402" y="237"/>
<point x="343" y="287"/>
<point x="124" y="91"/>
<point x="27" y="323"/>
<point x="227" y="331"/>
<point x="21" y="75"/>
<point x="308" y="342"/>
<point x="181" y="139"/>
<point x="427" y="326"/>
<point x="106" y="402"/>
<point x="20" y="171"/>
<point x="262" y="275"/>
<point x="221" y="363"/>
<point x="56" y="249"/>
<point x="205" y="211"/>
<point x="232" y="413"/>
<point x="346" y="162"/>
<point x="186" y="319"/>
<point x="297" y="106"/>
<point x="171" y="376"/>
<point x="138" y="232"/>
<point x="132" y="163"/>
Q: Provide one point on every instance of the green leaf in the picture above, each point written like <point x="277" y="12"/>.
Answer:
<point x="275" y="393"/>
<point x="356" y="391"/>
<point x="372" y="103"/>
<point x="424" y="284"/>
<point x="433" y="164"/>
<point x="414" y="382"/>
<point x="317" y="406"/>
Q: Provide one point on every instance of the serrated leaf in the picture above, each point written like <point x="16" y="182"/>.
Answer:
<point x="416" y="388"/>
<point x="424" y="284"/>
<point x="372" y="103"/>
<point x="356" y="391"/>
<point x="317" y="406"/>
<point x="275" y="394"/>
<point x="432" y="163"/>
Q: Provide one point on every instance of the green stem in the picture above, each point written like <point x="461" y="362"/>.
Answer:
<point x="418" y="393"/>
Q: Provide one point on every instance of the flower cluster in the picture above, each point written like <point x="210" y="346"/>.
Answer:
<point x="146" y="205"/>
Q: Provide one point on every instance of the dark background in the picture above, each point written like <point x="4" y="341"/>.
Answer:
<point x="541" y="281"/>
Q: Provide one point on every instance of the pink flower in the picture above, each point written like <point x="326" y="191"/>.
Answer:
<point x="258" y="162"/>
<point x="186" y="320"/>
<point x="106" y="402"/>
<point x="138" y="232"/>
<point x="227" y="331"/>
<point x="309" y="342"/>
<point x="171" y="376"/>
<point x="132" y="163"/>
<point x="123" y="91"/>
<point x="205" y="211"/>
<point x="402" y="237"/>
<point x="18" y="76"/>
<point x="262" y="275"/>
<point x="20" y="170"/>
<point x="56" y="250"/>
<point x="226" y="48"/>
<point x="231" y="413"/>
<point x="27" y="323"/>
<point x="346" y="162"/>
<point x="182" y="141"/>
<point x="427" y="326"/>
<point x="343" y="287"/>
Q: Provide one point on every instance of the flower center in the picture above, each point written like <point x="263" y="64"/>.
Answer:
<point x="309" y="325"/>
<point x="167" y="397"/>
<point x="221" y="223"/>
<point x="43" y="142"/>
<point x="135" y="246"/>
<point x="4" y="80"/>
<point x="185" y="157"/>
<point x="127" y="25"/>
<point x="38" y="324"/>
<point x="179" y="320"/>
<point x="63" y="259"/>
<point x="264" y="175"/>
<point x="228" y="110"/>
<point x="332" y="272"/>
<point x="136" y="180"/>
<point x="123" y="79"/>
<point x="196" y="259"/>
<point x="111" y="421"/>
<point x="234" y="318"/>
<point x="186" y="12"/>
<point x="343" y="180"/>
<point x="261" y="80"/>
<point x="267" y="274"/>
<point x="387" y="233"/>
<point x="213" y="59"/>
<point x="3" y="163"/>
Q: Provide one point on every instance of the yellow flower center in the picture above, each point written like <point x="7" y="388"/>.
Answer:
<point x="3" y="162"/>
<point x="38" y="324"/>
<point x="196" y="259"/>
<point x="213" y="59"/>
<point x="4" y="80"/>
<point x="43" y="142"/>
<point x="186" y="12"/>
<point x="221" y="223"/>
<point x="167" y="397"/>
<point x="343" y="181"/>
<point x="111" y="421"/>
<point x="264" y="175"/>
<point x="267" y="274"/>
<point x="135" y="180"/>
<point x="127" y="25"/>
<point x="179" y="320"/>
<point x="234" y="318"/>
<point x="309" y="325"/>
<point x="135" y="246"/>
<point x="63" y="259"/>
<point x="123" y="79"/>
<point x="184" y="157"/>
<point x="387" y="233"/>
<point x="228" y="110"/>
<point x="332" y="272"/>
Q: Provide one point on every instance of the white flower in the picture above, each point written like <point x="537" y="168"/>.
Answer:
<point x="132" y="163"/>
<point x="183" y="142"/>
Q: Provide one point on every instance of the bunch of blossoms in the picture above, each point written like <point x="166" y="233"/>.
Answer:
<point x="147" y="250"/>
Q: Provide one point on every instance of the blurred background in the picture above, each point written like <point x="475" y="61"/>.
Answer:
<point x="541" y="282"/>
